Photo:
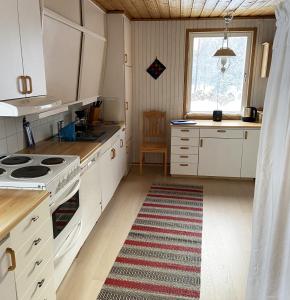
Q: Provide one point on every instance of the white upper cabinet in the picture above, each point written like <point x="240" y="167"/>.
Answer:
<point x="32" y="49"/>
<point x="127" y="42"/>
<point x="250" y="153"/>
<point x="21" y="56"/>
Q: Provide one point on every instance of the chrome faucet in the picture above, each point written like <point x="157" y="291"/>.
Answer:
<point x="59" y="127"/>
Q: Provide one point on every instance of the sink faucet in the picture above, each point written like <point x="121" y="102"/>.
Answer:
<point x="59" y="127"/>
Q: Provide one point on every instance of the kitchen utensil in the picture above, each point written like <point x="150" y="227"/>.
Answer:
<point x="28" y="133"/>
<point x="249" y="114"/>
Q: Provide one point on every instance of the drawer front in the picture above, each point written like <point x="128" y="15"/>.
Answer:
<point x="187" y="150"/>
<point x="183" y="169"/>
<point x="33" y="245"/>
<point x="222" y="133"/>
<point x="175" y="158"/>
<point x="185" y="132"/>
<point x="30" y="224"/>
<point x="34" y="267"/>
<point x="41" y="283"/>
<point x="184" y="141"/>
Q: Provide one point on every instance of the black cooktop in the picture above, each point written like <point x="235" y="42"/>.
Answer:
<point x="30" y="172"/>
<point x="2" y="171"/>
<point x="52" y="161"/>
<point x="15" y="160"/>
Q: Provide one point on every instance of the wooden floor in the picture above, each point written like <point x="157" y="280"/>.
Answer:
<point x="226" y="237"/>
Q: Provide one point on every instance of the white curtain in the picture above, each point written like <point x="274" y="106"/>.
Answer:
<point x="269" y="273"/>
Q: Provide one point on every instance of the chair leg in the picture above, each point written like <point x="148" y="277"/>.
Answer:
<point x="165" y="163"/>
<point x="141" y="162"/>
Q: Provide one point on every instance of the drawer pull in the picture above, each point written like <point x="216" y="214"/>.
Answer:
<point x="246" y="135"/>
<point x="221" y="130"/>
<point x="40" y="283"/>
<point x="200" y="143"/>
<point x="13" y="259"/>
<point x="183" y="156"/>
<point x="36" y="242"/>
<point x="184" y="148"/>
<point x="34" y="219"/>
<point x="184" y="165"/>
<point x="184" y="139"/>
<point x="38" y="262"/>
<point x="184" y="130"/>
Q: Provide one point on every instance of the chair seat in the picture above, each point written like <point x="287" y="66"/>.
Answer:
<point x="159" y="147"/>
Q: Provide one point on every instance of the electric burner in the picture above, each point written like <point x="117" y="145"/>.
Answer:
<point x="2" y="171"/>
<point x="52" y="161"/>
<point x="30" y="172"/>
<point x="15" y="160"/>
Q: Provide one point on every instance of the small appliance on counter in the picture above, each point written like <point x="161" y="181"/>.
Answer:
<point x="217" y="115"/>
<point x="81" y="122"/>
<point x="249" y="114"/>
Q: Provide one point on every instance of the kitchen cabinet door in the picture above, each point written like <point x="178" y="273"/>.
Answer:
<point x="109" y="175"/>
<point x="32" y="49"/>
<point x="128" y="101"/>
<point x="122" y="156"/>
<point x="90" y="195"/>
<point x="250" y="153"/>
<point x="220" y="157"/>
<point x="10" y="51"/>
<point x="7" y="280"/>
<point x="127" y="41"/>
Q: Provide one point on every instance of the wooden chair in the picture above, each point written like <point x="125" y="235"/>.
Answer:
<point x="154" y="136"/>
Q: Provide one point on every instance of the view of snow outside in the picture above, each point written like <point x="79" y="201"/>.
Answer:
<point x="211" y="89"/>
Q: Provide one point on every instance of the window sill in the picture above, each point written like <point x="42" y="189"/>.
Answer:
<point x="208" y="116"/>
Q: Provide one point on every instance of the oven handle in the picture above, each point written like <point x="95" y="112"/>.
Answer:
<point x="72" y="191"/>
<point x="70" y="241"/>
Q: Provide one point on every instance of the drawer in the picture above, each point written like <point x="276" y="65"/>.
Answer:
<point x="33" y="245"/>
<point x="183" y="169"/>
<point x="33" y="268"/>
<point x="49" y="292"/>
<point x="185" y="132"/>
<point x="184" y="150"/>
<point x="40" y="285"/>
<point x="222" y="133"/>
<point x="175" y="158"/>
<point x="30" y="224"/>
<point x="184" y="141"/>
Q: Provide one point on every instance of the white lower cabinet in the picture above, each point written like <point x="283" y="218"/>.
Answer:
<point x="250" y="153"/>
<point x="7" y="279"/>
<point x="214" y="151"/>
<point x="220" y="157"/>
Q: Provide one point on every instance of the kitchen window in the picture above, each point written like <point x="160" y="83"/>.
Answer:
<point x="207" y="87"/>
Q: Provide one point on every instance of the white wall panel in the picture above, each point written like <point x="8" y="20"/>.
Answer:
<point x="166" y="40"/>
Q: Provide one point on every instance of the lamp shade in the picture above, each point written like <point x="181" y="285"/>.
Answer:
<point x="224" y="52"/>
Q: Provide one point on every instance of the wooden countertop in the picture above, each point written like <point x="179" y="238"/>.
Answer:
<point x="16" y="205"/>
<point x="54" y="147"/>
<point x="224" y="124"/>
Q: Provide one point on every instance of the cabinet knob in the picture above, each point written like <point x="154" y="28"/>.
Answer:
<point x="36" y="242"/>
<point x="40" y="283"/>
<point x="34" y="219"/>
<point x="38" y="262"/>
<point x="11" y="252"/>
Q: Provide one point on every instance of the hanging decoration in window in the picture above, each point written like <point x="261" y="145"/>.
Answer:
<point x="225" y="53"/>
<point x="156" y="69"/>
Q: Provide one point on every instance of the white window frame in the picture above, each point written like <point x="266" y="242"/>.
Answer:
<point x="248" y="32"/>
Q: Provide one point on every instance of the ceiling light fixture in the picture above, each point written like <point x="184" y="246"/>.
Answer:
<point x="225" y="52"/>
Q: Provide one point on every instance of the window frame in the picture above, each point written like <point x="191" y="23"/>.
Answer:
<point x="247" y="93"/>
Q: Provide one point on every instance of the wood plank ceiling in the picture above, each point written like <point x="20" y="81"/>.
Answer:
<point x="174" y="9"/>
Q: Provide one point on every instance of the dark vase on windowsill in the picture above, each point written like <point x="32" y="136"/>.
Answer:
<point x="217" y="115"/>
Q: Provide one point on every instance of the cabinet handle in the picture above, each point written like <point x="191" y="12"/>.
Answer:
<point x="184" y="130"/>
<point x="29" y="79"/>
<point x="22" y="85"/>
<point x="246" y="135"/>
<point x="221" y="130"/>
<point x="126" y="105"/>
<point x="200" y="143"/>
<point x="184" y="139"/>
<point x="40" y="283"/>
<point x="34" y="219"/>
<point x="183" y="165"/>
<point x="13" y="259"/>
<point x="38" y="262"/>
<point x="126" y="58"/>
<point x="113" y="152"/>
<point x="184" y="148"/>
<point x="121" y="143"/>
<point x="183" y="156"/>
<point x="36" y="242"/>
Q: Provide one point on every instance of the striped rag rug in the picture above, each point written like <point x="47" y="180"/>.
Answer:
<point x="161" y="258"/>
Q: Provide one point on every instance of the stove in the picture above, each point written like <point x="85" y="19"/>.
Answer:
<point x="38" y="172"/>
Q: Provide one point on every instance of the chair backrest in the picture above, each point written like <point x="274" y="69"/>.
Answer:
<point x="154" y="124"/>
